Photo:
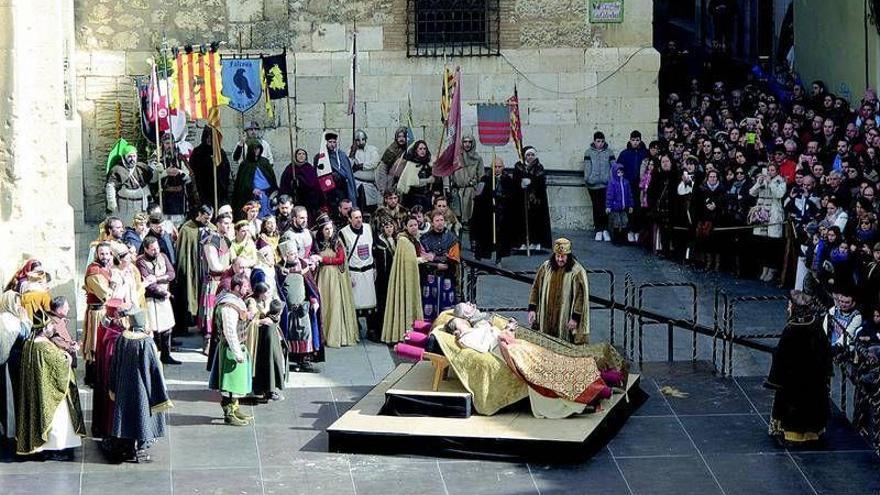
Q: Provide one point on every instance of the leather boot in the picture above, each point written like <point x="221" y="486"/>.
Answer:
<point x="165" y="350"/>
<point x="229" y="416"/>
<point x="238" y="413"/>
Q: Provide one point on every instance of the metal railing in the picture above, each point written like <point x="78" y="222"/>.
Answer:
<point x="457" y="28"/>
<point x="636" y="317"/>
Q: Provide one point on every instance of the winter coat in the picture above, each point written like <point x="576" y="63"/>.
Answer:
<point x="631" y="161"/>
<point x="618" y="196"/>
<point x="703" y="196"/>
<point x="769" y="197"/>
<point x="597" y="166"/>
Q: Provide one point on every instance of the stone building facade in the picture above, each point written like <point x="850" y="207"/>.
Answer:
<point x="573" y="77"/>
<point x="36" y="217"/>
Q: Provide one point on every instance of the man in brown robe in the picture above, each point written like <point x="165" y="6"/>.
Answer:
<point x="99" y="288"/>
<point x="559" y="302"/>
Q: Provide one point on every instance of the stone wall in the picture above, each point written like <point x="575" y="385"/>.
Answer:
<point x="573" y="77"/>
<point x="35" y="217"/>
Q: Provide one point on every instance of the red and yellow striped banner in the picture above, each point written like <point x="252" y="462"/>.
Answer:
<point x="198" y="86"/>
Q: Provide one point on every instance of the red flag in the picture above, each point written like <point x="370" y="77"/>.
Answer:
<point x="450" y="159"/>
<point x="493" y="124"/>
<point x="516" y="124"/>
<point x="158" y="102"/>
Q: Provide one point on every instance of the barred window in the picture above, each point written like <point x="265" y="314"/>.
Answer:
<point x="452" y="27"/>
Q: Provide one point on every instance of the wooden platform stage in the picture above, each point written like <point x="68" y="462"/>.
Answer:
<point x="513" y="433"/>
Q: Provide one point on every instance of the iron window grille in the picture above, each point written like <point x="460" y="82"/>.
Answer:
<point x="437" y="28"/>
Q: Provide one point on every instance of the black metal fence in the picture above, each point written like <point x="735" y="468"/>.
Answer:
<point x="458" y="28"/>
<point x="636" y="318"/>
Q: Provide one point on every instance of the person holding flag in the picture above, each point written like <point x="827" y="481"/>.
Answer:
<point x="466" y="178"/>
<point x="531" y="185"/>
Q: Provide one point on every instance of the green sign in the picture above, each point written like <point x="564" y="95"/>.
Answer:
<point x="606" y="11"/>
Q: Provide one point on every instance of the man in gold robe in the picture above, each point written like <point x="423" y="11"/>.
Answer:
<point x="559" y="302"/>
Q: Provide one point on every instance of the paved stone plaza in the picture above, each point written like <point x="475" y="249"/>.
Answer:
<point x="712" y="441"/>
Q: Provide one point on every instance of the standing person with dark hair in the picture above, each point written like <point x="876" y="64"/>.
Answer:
<point x="403" y="304"/>
<point x="99" y="289"/>
<point x="393" y="153"/>
<point x="631" y="160"/>
<point x="490" y="225"/>
<point x="416" y="182"/>
<point x="769" y="191"/>
<point x="188" y="270"/>
<point x="338" y="314"/>
<point x="57" y="327"/>
<point x="440" y="275"/>
<point x="383" y="254"/>
<point x="158" y="272"/>
<point x="800" y="375"/>
<point x="358" y="240"/>
<point x="597" y="172"/>
<point x="216" y="259"/>
<point x="231" y="371"/>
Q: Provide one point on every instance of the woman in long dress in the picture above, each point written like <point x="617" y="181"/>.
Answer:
<point x="403" y="304"/>
<point x="383" y="254"/>
<point x="334" y="284"/>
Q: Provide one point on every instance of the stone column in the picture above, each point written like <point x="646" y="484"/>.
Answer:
<point x="36" y="220"/>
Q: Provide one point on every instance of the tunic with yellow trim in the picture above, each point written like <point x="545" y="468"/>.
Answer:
<point x="559" y="295"/>
<point x="138" y="387"/>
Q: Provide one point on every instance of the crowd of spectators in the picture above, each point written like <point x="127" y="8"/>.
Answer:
<point x="769" y="179"/>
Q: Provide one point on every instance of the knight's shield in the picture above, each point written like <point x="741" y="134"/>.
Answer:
<point x="241" y="82"/>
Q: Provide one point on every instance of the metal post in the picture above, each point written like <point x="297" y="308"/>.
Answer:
<point x="669" y="348"/>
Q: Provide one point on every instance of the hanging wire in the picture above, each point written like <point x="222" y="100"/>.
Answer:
<point x="523" y="75"/>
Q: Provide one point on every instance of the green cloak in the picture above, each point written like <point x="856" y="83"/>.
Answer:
<point x="243" y="191"/>
<point x="51" y="381"/>
<point x="188" y="275"/>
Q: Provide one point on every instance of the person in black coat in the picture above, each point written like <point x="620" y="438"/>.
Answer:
<point x="530" y="182"/>
<point x="482" y="220"/>
<point x="201" y="162"/>
<point x="708" y="206"/>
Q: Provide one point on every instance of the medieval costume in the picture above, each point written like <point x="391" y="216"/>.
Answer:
<point x="21" y="275"/>
<point x="300" y="181"/>
<point x="403" y="304"/>
<point x="392" y="154"/>
<point x="466" y="178"/>
<point x="188" y="275"/>
<point x="500" y="200"/>
<point x="128" y="183"/>
<point x="160" y="314"/>
<point x="98" y="291"/>
<point x="103" y="406"/>
<point x="243" y="247"/>
<point x="398" y="215"/>
<point x="383" y="254"/>
<point x="201" y="163"/>
<point x="415" y="184"/>
<point x="359" y="258"/>
<point x="35" y="293"/>
<point x="269" y="371"/>
<point x="439" y="285"/>
<point x="532" y="209"/>
<point x="254" y="173"/>
<point x="300" y="320"/>
<point x="14" y="328"/>
<point x="800" y="375"/>
<point x="48" y="413"/>
<point x="365" y="162"/>
<point x="137" y="387"/>
<point x="176" y="190"/>
<point x="339" y="166"/>
<point x="231" y="371"/>
<point x="216" y="260"/>
<point x="338" y="315"/>
<point x="561" y="294"/>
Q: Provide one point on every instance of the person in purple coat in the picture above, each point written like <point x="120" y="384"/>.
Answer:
<point x="618" y="203"/>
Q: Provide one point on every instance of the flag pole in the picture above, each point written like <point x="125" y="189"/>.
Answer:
<point x="354" y="54"/>
<point x="494" y="234"/>
<point x="155" y="105"/>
